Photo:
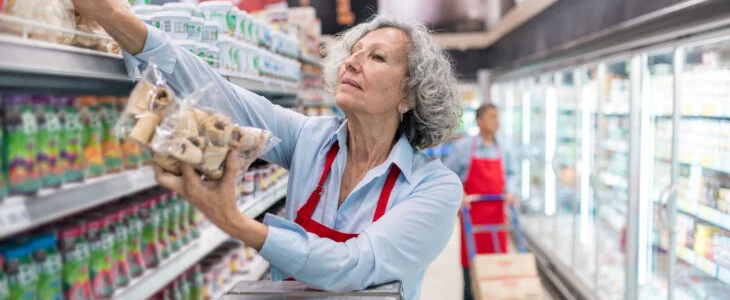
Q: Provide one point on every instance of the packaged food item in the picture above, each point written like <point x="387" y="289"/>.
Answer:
<point x="173" y="227"/>
<point x="184" y="286"/>
<point x="49" y="140"/>
<point x="111" y="147"/>
<point x="179" y="6"/>
<point x="101" y="245"/>
<point x="195" y="28"/>
<point x="131" y="151"/>
<point x="49" y="266"/>
<point x="3" y="181"/>
<point x="21" y="272"/>
<point x="71" y="141"/>
<point x="195" y="221"/>
<point x="150" y="232"/>
<point x="21" y="144"/>
<point x="213" y="55"/>
<point x="217" y="11"/>
<point x="210" y="32"/>
<point x="174" y="23"/>
<point x="195" y="130"/>
<point x="120" y="255"/>
<point x="163" y="215"/>
<point x="4" y="290"/>
<point x="75" y="254"/>
<point x="93" y="135"/>
<point x="196" y="282"/>
<point x="175" y="291"/>
<point x="232" y="21"/>
<point x="57" y="13"/>
<point x="134" y="226"/>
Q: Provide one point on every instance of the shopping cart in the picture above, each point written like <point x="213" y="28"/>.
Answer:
<point x="470" y="229"/>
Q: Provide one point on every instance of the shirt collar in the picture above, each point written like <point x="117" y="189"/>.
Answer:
<point x="401" y="155"/>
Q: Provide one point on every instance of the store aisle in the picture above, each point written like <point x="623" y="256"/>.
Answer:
<point x="443" y="279"/>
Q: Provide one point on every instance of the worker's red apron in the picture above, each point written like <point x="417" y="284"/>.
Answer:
<point x="485" y="176"/>
<point x="304" y="214"/>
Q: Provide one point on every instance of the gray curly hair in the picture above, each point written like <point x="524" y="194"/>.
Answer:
<point x="430" y="85"/>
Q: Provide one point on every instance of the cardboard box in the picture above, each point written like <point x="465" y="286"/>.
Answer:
<point x="505" y="276"/>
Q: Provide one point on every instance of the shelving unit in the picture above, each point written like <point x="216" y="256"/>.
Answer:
<point x="311" y="60"/>
<point x="253" y="271"/>
<point x="211" y="237"/>
<point x="704" y="213"/>
<point x="19" y="214"/>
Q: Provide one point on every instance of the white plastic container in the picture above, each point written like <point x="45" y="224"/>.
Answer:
<point x="242" y="20"/>
<point x="225" y="54"/>
<point x="201" y="50"/>
<point x="195" y="28"/>
<point x="178" y="6"/>
<point x="216" y="11"/>
<point x="232" y="21"/>
<point x="174" y="23"/>
<point x="210" y="32"/>
<point x="244" y="52"/>
<point x="213" y="56"/>
<point x="187" y="44"/>
<point x="146" y="10"/>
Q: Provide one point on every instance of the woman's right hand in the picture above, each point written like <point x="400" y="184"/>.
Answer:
<point x="98" y="9"/>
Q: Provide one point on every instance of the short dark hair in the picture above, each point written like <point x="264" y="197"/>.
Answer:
<point x="484" y="108"/>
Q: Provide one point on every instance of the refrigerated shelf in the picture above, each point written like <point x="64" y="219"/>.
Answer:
<point x="705" y="213"/>
<point x="20" y="213"/>
<point x="211" y="238"/>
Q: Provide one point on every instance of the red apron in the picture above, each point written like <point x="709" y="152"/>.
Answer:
<point x="304" y="214"/>
<point x="485" y="176"/>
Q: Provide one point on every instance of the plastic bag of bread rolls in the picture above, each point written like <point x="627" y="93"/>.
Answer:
<point x="49" y="18"/>
<point x="200" y="135"/>
<point x="193" y="130"/>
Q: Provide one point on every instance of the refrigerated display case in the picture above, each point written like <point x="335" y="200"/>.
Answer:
<point x="626" y="198"/>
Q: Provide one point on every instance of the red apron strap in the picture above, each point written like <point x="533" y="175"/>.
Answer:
<point x="313" y="201"/>
<point x="385" y="193"/>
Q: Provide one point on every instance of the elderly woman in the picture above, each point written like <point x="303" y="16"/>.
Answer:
<point x="364" y="205"/>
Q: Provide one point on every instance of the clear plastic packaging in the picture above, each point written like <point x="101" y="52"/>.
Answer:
<point x="56" y="13"/>
<point x="196" y="130"/>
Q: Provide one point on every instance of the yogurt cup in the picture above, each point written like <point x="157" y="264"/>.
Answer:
<point x="210" y="32"/>
<point x="232" y="21"/>
<point x="195" y="28"/>
<point x="242" y="19"/>
<point x="201" y="50"/>
<point x="174" y="23"/>
<point x="187" y="45"/>
<point x="149" y="10"/>
<point x="179" y="6"/>
<point x="243" y="53"/>
<point x="216" y="11"/>
<point x="225" y="47"/>
<point x="213" y="56"/>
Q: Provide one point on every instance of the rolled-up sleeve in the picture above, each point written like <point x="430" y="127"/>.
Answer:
<point x="186" y="74"/>
<point x="399" y="245"/>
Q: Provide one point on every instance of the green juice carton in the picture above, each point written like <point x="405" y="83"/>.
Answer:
<point x="49" y="266"/>
<point x="75" y="254"/>
<point x="120" y="253"/>
<point x="20" y="144"/>
<point x="164" y="220"/>
<point x="173" y="222"/>
<point x="92" y="136"/>
<point x="71" y="143"/>
<point x="110" y="144"/>
<point x="21" y="272"/>
<point x="101" y="244"/>
<point x="49" y="141"/>
<point x="134" y="239"/>
<point x="150" y="231"/>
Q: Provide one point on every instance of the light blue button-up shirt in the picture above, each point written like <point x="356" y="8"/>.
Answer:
<point x="460" y="158"/>
<point x="420" y="215"/>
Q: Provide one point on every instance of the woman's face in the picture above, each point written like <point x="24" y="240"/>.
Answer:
<point x="370" y="80"/>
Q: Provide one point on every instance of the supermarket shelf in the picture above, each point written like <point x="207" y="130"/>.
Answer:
<point x="211" y="237"/>
<point x="50" y="205"/>
<point x="706" y="117"/>
<point x="264" y="86"/>
<point x="707" y="161"/>
<point x="310" y="60"/>
<point x="705" y="213"/>
<point x="42" y="66"/>
<point x="709" y="267"/>
<point x="253" y="271"/>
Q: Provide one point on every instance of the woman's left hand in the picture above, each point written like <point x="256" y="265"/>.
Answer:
<point x="215" y="199"/>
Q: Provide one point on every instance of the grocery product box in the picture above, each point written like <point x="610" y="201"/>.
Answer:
<point x="505" y="276"/>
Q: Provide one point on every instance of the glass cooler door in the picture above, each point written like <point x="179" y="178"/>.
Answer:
<point x="612" y="185"/>
<point x="703" y="221"/>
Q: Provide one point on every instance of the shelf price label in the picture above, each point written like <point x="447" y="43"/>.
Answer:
<point x="13" y="215"/>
